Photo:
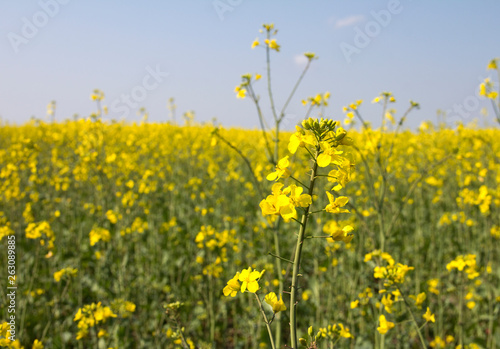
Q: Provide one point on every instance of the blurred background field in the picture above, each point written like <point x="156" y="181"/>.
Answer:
<point x="153" y="214"/>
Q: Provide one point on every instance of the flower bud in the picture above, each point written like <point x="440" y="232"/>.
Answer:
<point x="310" y="331"/>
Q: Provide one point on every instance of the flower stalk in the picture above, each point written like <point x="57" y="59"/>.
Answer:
<point x="296" y="261"/>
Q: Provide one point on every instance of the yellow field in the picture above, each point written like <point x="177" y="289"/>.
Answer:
<point x="113" y="222"/>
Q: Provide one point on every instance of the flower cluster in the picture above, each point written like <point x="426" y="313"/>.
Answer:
<point x="91" y="315"/>
<point x="318" y="100"/>
<point x="467" y="262"/>
<point x="70" y="272"/>
<point x="99" y="234"/>
<point x="270" y="43"/>
<point x="392" y="273"/>
<point x="486" y="89"/>
<point x="5" y="338"/>
<point x="283" y="202"/>
<point x="335" y="331"/>
<point x="41" y="231"/>
<point x="245" y="86"/>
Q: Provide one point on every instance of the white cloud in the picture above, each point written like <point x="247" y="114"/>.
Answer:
<point x="300" y="59"/>
<point x="348" y="21"/>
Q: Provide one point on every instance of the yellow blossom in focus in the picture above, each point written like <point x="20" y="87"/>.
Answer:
<point x="276" y="305"/>
<point x="232" y="287"/>
<point x="335" y="205"/>
<point x="281" y="170"/>
<point x="249" y="280"/>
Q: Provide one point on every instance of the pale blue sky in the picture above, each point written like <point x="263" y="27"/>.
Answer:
<point x="432" y="52"/>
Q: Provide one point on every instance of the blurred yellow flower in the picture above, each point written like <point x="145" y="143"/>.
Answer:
<point x="384" y="325"/>
<point x="428" y="316"/>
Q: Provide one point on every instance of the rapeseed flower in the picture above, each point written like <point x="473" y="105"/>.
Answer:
<point x="276" y="305"/>
<point x="384" y="325"/>
<point x="281" y="170"/>
<point x="249" y="279"/>
<point x="428" y="316"/>
<point x="336" y="204"/>
<point x="233" y="286"/>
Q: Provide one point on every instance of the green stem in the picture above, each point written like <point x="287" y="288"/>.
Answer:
<point x="245" y="159"/>
<point x="269" y="89"/>
<point x="280" y="258"/>
<point x="282" y="113"/>
<point x="262" y="124"/>
<point x="407" y="306"/>
<point x="296" y="262"/>
<point x="460" y="312"/>
<point x="268" y="325"/>
<point x="280" y="279"/>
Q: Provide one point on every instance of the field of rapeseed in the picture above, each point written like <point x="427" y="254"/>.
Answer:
<point x="156" y="235"/>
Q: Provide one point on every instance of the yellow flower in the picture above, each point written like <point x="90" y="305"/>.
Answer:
<point x="329" y="156"/>
<point x="272" y="300"/>
<point x="277" y="203"/>
<point x="98" y="234"/>
<point x="130" y="307"/>
<point x="433" y="284"/>
<point x="335" y="205"/>
<point x="388" y="303"/>
<point x="344" y="332"/>
<point x="384" y="325"/>
<point x="232" y="287"/>
<point x="299" y="139"/>
<point x="258" y="76"/>
<point x="273" y="45"/>
<point x="240" y="92"/>
<point x="354" y="304"/>
<point x="471" y="304"/>
<point x="255" y="43"/>
<point x="102" y="333"/>
<point x="344" y="234"/>
<point x="296" y="197"/>
<point x="249" y="280"/>
<point x="66" y="271"/>
<point x="419" y="299"/>
<point x="37" y="344"/>
<point x="437" y="343"/>
<point x="310" y="55"/>
<point x="493" y="64"/>
<point x="428" y="316"/>
<point x="281" y="170"/>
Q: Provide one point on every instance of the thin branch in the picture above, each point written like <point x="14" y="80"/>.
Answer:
<point x="283" y="259"/>
<point x="247" y="162"/>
